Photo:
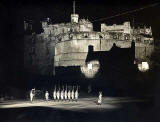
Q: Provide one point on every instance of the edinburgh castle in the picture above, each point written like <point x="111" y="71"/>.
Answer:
<point x="66" y="44"/>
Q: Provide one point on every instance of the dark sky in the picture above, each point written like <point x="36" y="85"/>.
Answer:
<point x="59" y="11"/>
<point x="13" y="13"/>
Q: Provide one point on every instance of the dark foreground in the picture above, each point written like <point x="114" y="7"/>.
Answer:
<point x="85" y="110"/>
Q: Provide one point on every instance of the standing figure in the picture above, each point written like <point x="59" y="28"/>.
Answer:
<point x="34" y="91"/>
<point x="47" y="96"/>
<point x="65" y="93"/>
<point x="76" y="94"/>
<point x="54" y="93"/>
<point x="62" y="93"/>
<point x="69" y="95"/>
<point x="72" y="95"/>
<point x="58" y="94"/>
<point x="100" y="98"/>
<point x="31" y="95"/>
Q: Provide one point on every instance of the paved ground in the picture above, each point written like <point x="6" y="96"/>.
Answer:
<point x="86" y="109"/>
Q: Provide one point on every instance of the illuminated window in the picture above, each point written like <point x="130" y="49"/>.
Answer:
<point x="90" y="66"/>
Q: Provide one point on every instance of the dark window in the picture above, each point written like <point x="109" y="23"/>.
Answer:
<point x="71" y="36"/>
<point x="115" y="36"/>
<point x="60" y="39"/>
<point x="146" y="41"/>
<point x="63" y="30"/>
<point x="100" y="36"/>
<point x="138" y="39"/>
<point x="85" y="36"/>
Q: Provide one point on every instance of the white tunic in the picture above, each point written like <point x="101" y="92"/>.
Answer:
<point x="31" y="96"/>
<point x="65" y="94"/>
<point x="61" y="95"/>
<point x="47" y="95"/>
<point x="69" y="95"/>
<point x="72" y="94"/>
<point x="100" y="99"/>
<point x="76" y="95"/>
<point x="58" y="95"/>
<point x="54" y="95"/>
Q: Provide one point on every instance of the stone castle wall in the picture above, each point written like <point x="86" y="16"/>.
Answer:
<point x="74" y="52"/>
<point x="40" y="49"/>
<point x="125" y="27"/>
<point x="39" y="54"/>
<point x="66" y="44"/>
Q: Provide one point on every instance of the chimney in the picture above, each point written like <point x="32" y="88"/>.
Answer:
<point x="90" y="48"/>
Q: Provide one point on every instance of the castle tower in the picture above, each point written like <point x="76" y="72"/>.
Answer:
<point x="74" y="17"/>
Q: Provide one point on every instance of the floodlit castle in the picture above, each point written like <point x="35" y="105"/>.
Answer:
<point x="67" y="44"/>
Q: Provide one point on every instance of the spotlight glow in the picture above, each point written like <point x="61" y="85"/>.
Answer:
<point x="90" y="69"/>
<point x="144" y="66"/>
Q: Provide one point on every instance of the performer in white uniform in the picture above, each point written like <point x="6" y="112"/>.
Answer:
<point x="69" y="95"/>
<point x="76" y="94"/>
<point x="100" y="98"/>
<point x="65" y="93"/>
<point x="31" y="95"/>
<point x="58" y="95"/>
<point x="72" y="95"/>
<point x="62" y="93"/>
<point x="47" y="96"/>
<point x="54" y="94"/>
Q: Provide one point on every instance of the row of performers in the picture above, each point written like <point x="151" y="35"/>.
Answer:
<point x="60" y="94"/>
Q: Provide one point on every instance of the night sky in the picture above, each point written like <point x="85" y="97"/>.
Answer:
<point x="13" y="13"/>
